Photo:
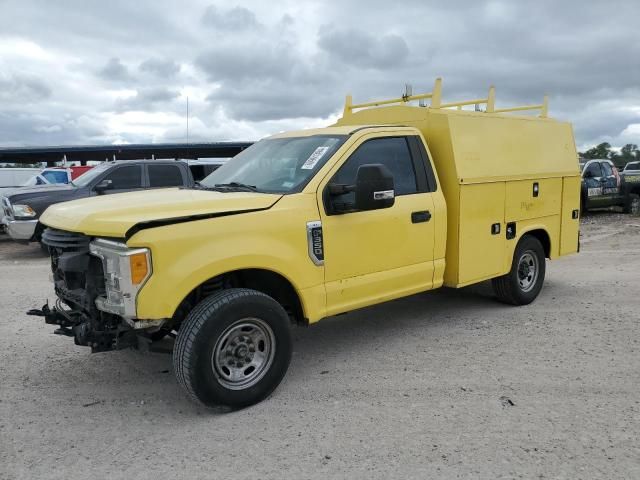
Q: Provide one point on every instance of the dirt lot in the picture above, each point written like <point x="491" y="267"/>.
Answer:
<point x="448" y="384"/>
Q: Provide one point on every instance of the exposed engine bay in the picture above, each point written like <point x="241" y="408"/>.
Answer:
<point x="79" y="280"/>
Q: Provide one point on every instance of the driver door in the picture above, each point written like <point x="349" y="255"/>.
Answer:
<point x="377" y="255"/>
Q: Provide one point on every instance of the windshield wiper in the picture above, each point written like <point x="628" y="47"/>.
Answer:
<point x="236" y="186"/>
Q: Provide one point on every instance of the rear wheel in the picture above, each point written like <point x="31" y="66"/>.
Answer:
<point x="524" y="281"/>
<point x="233" y="349"/>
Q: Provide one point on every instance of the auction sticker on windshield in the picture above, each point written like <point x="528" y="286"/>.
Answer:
<point x="314" y="158"/>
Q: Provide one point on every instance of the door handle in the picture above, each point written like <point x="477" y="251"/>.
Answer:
<point x="420" y="217"/>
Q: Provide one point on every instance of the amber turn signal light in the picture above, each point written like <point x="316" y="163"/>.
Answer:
<point x="139" y="267"/>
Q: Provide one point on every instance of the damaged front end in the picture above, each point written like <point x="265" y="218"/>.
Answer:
<point x="97" y="282"/>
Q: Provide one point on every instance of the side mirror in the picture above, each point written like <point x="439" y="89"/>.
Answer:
<point x="588" y="174"/>
<point x="374" y="187"/>
<point x="103" y="186"/>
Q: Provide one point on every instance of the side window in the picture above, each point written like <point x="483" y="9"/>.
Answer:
<point x="127" y="177"/>
<point x="593" y="170"/>
<point x="633" y="166"/>
<point x="201" y="171"/>
<point x="56" y="176"/>
<point x="606" y="169"/>
<point x="165" y="176"/>
<point x="393" y="152"/>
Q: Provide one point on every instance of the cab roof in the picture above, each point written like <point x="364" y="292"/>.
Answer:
<point x="337" y="130"/>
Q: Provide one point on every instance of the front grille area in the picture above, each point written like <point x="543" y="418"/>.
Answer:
<point x="65" y="240"/>
<point x="77" y="275"/>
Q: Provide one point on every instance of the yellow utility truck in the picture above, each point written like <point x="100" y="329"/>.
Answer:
<point x="394" y="199"/>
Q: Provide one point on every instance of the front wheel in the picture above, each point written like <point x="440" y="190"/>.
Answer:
<point x="524" y="281"/>
<point x="233" y="349"/>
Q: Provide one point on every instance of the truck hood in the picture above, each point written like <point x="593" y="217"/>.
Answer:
<point x="118" y="215"/>
<point x="26" y="193"/>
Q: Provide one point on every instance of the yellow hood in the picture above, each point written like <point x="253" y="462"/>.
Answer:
<point x="113" y="215"/>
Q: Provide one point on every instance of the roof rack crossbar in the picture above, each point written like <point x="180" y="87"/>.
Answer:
<point x="436" y="102"/>
<point x="543" y="107"/>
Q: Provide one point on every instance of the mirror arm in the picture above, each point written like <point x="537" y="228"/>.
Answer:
<point x="343" y="207"/>
<point x="340" y="189"/>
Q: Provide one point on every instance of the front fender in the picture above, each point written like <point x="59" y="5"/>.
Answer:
<point x="186" y="255"/>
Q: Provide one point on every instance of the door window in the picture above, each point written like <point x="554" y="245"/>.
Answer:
<point x="593" y="170"/>
<point x="126" y="178"/>
<point x="392" y="152"/>
<point x="606" y="169"/>
<point x="165" y="176"/>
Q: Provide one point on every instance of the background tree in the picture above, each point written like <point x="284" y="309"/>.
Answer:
<point x="627" y="154"/>
<point x="600" y="151"/>
<point x="22" y="165"/>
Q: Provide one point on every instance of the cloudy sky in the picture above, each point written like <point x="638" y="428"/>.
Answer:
<point x="120" y="71"/>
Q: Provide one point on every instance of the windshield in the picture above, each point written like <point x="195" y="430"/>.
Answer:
<point x="276" y="165"/>
<point x="89" y="175"/>
<point x="35" y="180"/>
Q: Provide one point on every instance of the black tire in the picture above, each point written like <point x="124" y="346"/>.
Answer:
<point x="632" y="204"/>
<point x="520" y="286"/>
<point x="216" y="326"/>
<point x="44" y="249"/>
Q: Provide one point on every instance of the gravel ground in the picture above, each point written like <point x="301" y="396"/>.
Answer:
<point x="447" y="384"/>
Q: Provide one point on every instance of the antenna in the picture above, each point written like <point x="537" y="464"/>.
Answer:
<point x="187" y="118"/>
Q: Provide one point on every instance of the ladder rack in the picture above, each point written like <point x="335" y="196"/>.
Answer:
<point x="436" y="102"/>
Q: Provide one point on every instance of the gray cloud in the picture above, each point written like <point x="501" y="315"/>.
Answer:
<point x="266" y="101"/>
<point x="357" y="47"/>
<point x="20" y="128"/>
<point x="114" y="70"/>
<point x="67" y="72"/>
<point x="20" y="89"/>
<point x="158" y="66"/>
<point x="236" y="18"/>
<point x="275" y="62"/>
<point x="147" y="99"/>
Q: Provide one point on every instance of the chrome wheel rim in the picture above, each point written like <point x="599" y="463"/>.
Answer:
<point x="528" y="269"/>
<point x="243" y="353"/>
